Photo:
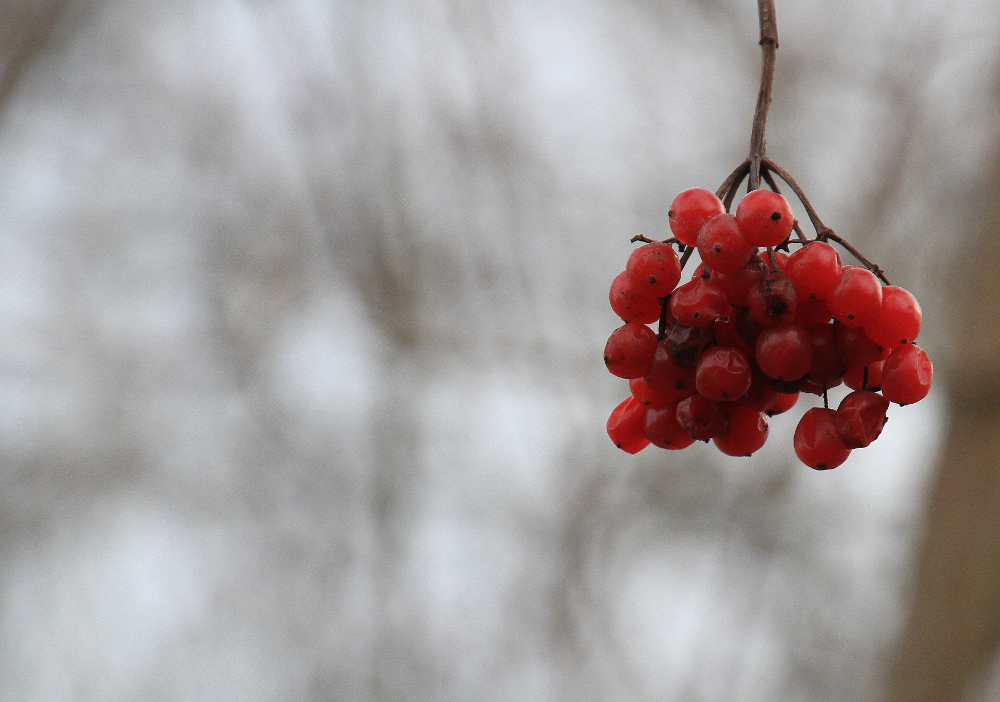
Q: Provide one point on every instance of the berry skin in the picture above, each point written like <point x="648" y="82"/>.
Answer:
<point x="737" y="285"/>
<point x="686" y="343"/>
<point x="812" y="312"/>
<point x="817" y="442"/>
<point x="899" y="321"/>
<point x="827" y="367"/>
<point x="860" y="418"/>
<point x="855" y="348"/>
<point x="722" y="245"/>
<point x="631" y="307"/>
<point x="759" y="396"/>
<point x="856" y="298"/>
<point x="773" y="299"/>
<point x="667" y="377"/>
<point x="784" y="403"/>
<point x="647" y="397"/>
<point x="663" y="430"/>
<point x="653" y="270"/>
<point x="626" y="426"/>
<point x="907" y="375"/>
<point x="815" y="269"/>
<point x="746" y="432"/>
<point x="855" y="377"/>
<point x="784" y="353"/>
<point x="630" y="350"/>
<point x="698" y="303"/>
<point x="765" y="218"/>
<point x="690" y="210"/>
<point x="701" y="418"/>
<point x="722" y="374"/>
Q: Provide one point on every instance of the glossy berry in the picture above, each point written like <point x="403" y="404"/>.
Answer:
<point x="690" y="210"/>
<point x="630" y="350"/>
<point x="815" y="269"/>
<point x="784" y="353"/>
<point x="663" y="429"/>
<point x="626" y="426"/>
<point x="860" y="418"/>
<point x="667" y="377"/>
<point x="784" y="403"/>
<point x="856" y="297"/>
<point x="701" y="418"/>
<point x="907" y="375"/>
<point x="722" y="246"/>
<point x="653" y="270"/>
<point x="773" y="300"/>
<point x="646" y="396"/>
<point x="765" y="218"/>
<point x="631" y="307"/>
<point x="817" y="442"/>
<point x="899" y="321"/>
<point x="745" y="433"/>
<point x="697" y="303"/>
<point x="722" y="374"/>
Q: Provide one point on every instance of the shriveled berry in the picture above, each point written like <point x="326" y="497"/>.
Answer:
<point x="907" y="375"/>
<point x="627" y="424"/>
<point x="653" y="270"/>
<point x="701" y="418"/>
<point x="686" y="343"/>
<point x="856" y="297"/>
<point x="899" y="320"/>
<point x="630" y="350"/>
<point x="646" y="396"/>
<point x="663" y="429"/>
<point x="773" y="300"/>
<point x="667" y="377"/>
<point x="860" y="418"/>
<point x="745" y="433"/>
<point x="814" y="269"/>
<point x="722" y="374"/>
<point x="784" y="353"/>
<point x="817" y="442"/>
<point x="631" y="307"/>
<point x="722" y="245"/>
<point x="690" y="210"/>
<point x="765" y="218"/>
<point x="697" y="303"/>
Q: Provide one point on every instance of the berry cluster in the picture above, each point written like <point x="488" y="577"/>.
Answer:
<point x="753" y="328"/>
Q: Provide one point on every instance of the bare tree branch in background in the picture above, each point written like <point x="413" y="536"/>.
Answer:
<point x="25" y="26"/>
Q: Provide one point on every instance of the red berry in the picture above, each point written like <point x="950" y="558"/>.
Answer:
<point x="697" y="303"/>
<point x="784" y="403"/>
<point x="630" y="350"/>
<point x="727" y="334"/>
<point x="759" y="396"/>
<point x="899" y="321"/>
<point x="690" y="210"/>
<point x="812" y="312"/>
<point x="784" y="353"/>
<point x="806" y="385"/>
<point x="746" y="432"/>
<point x="814" y="269"/>
<point x="827" y="367"/>
<point x="722" y="374"/>
<point x="663" y="429"/>
<point x="737" y="285"/>
<point x="722" y="245"/>
<point x="701" y="418"/>
<point x="817" y="443"/>
<point x="856" y="298"/>
<point x="631" y="307"/>
<point x="860" y="418"/>
<point x="653" y="269"/>
<point x="907" y="375"/>
<point x="855" y="348"/>
<point x="667" y="377"/>
<point x="626" y="426"/>
<point x="646" y="396"/>
<point x="773" y="300"/>
<point x="855" y="377"/>
<point x="686" y="343"/>
<point x="765" y="218"/>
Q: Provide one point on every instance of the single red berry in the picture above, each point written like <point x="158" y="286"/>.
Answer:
<point x="855" y="348"/>
<point x="784" y="403"/>
<point x="631" y="307"/>
<point x="827" y="367"/>
<point x="667" y="377"/>
<point x="654" y="269"/>
<point x="626" y="426"/>
<point x="663" y="429"/>
<point x="855" y="377"/>
<point x="765" y="218"/>
<point x="809" y="313"/>
<point x="907" y="375"/>
<point x="814" y="269"/>
<point x="784" y="353"/>
<point x="690" y="210"/>
<point x="856" y="297"/>
<point x="899" y="321"/>
<point x="860" y="418"/>
<point x="701" y="417"/>
<point x="630" y="350"/>
<point x="773" y="300"/>
<point x="697" y="303"/>
<point x="817" y="443"/>
<point x="745" y="433"/>
<point x="722" y="245"/>
<point x="759" y="396"/>
<point x="646" y="396"/>
<point x="722" y="374"/>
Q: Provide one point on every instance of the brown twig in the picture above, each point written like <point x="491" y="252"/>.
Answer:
<point x="873" y="267"/>
<point x="727" y="191"/>
<point x="769" y="49"/>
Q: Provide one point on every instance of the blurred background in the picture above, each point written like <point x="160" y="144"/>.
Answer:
<point x="301" y="393"/>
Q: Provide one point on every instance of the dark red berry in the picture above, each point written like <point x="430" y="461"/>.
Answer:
<point x="784" y="353"/>
<point x="690" y="210"/>
<point x="814" y="269"/>
<point x="667" y="377"/>
<point x="722" y="245"/>
<point x="663" y="429"/>
<point x="686" y="343"/>
<point x="745" y="433"/>
<point x="907" y="375"/>
<point x="631" y="307"/>
<point x="860" y="418"/>
<point x="653" y="270"/>
<point x="827" y="367"/>
<point x="812" y="312"/>
<point x="626" y="426"/>
<point x="759" y="396"/>
<point x="647" y="397"/>
<point x="899" y="321"/>
<point x="701" y="418"/>
<point x="722" y="374"/>
<point x="773" y="300"/>
<point x="765" y="218"/>
<point x="737" y="285"/>
<point x="856" y="297"/>
<point x="698" y="303"/>
<point x="784" y="403"/>
<point x="855" y="348"/>
<point x="817" y="442"/>
<point x="855" y="377"/>
<point x="630" y="350"/>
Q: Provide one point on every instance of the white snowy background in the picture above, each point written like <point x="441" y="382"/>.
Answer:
<point x="302" y="309"/>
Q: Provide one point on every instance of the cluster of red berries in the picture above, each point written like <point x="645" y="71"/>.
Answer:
<point x="751" y="330"/>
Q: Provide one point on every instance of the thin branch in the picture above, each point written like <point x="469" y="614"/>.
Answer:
<point x="821" y="229"/>
<point x="769" y="49"/>
<point x="873" y="267"/>
<point x="727" y="191"/>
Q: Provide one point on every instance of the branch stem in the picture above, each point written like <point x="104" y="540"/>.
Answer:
<point x="769" y="49"/>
